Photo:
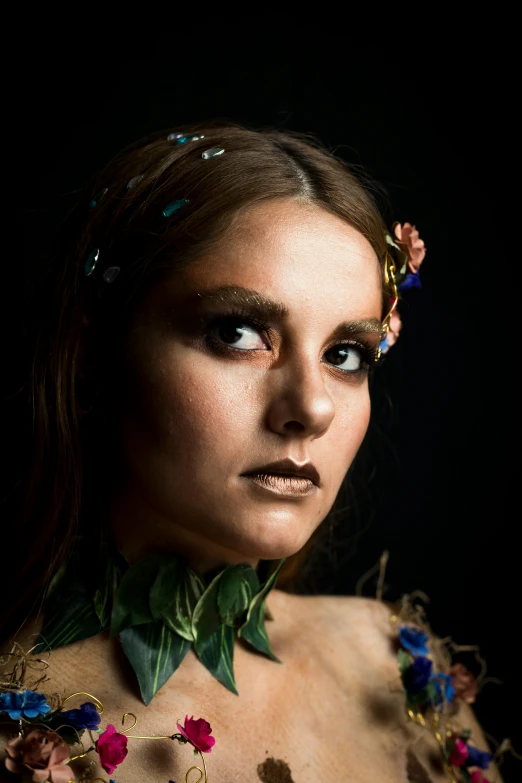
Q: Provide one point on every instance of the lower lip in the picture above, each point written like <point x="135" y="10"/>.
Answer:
<point x="291" y="486"/>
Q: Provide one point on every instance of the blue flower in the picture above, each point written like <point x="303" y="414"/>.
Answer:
<point x="413" y="640"/>
<point x="27" y="704"/>
<point x="444" y="688"/>
<point x="411" y="280"/>
<point x="417" y="676"/>
<point x="87" y="717"/>
<point x="478" y="758"/>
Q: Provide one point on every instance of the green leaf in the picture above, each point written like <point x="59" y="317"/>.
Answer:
<point x="216" y="653"/>
<point x="404" y="660"/>
<point x="115" y="567"/>
<point x="174" y="596"/>
<point x="253" y="630"/>
<point x="236" y="588"/>
<point x="131" y="605"/>
<point x="70" y="618"/>
<point x="422" y="697"/>
<point x="465" y="775"/>
<point x="155" y="652"/>
<point x="214" y="642"/>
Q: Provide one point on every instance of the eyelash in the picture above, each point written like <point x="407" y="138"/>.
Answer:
<point x="210" y="323"/>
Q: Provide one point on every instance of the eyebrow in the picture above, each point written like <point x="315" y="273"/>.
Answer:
<point x="265" y="307"/>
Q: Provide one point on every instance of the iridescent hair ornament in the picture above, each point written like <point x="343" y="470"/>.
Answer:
<point x="404" y="255"/>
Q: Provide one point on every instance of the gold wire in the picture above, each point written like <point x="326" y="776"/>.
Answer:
<point x="123" y="722"/>
<point x="389" y="279"/>
<point x="203" y="777"/>
<point x="83" y="693"/>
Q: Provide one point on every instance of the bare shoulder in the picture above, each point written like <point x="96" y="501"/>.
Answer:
<point x="356" y="631"/>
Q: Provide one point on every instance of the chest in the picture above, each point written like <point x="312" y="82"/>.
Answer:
<point x="293" y="722"/>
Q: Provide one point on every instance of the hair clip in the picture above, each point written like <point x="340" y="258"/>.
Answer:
<point x="111" y="273"/>
<point x="92" y="260"/>
<point x="134" y="181"/>
<point x="212" y="153"/>
<point x="182" y="138"/>
<point x="94" y="202"/>
<point x="174" y="206"/>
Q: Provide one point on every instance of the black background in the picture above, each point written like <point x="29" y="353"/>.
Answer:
<point x="435" y="123"/>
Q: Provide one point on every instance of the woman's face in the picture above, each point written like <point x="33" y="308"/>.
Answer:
<point x="254" y="353"/>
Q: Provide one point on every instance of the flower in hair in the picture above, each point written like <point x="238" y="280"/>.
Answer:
<point x="86" y="717"/>
<point x="198" y="733"/>
<point x="394" y="327"/>
<point x="465" y="683"/>
<point x="111" y="748"/>
<point x="409" y="241"/>
<point x="413" y="640"/>
<point x="43" y="753"/>
<point x="27" y="704"/>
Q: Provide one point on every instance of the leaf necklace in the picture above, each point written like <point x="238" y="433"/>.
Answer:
<point x="160" y="607"/>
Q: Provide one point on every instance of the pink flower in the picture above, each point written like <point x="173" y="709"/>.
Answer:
<point x="478" y="777"/>
<point x="41" y="751"/>
<point x="394" y="327"/>
<point x="465" y="683"/>
<point x="459" y="754"/>
<point x="111" y="748"/>
<point x="198" y="732"/>
<point x="409" y="241"/>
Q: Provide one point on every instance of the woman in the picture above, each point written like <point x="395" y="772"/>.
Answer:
<point x="200" y="391"/>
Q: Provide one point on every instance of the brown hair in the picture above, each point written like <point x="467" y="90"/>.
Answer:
<point x="126" y="225"/>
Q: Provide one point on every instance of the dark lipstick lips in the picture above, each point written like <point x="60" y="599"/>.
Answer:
<point x="288" y="467"/>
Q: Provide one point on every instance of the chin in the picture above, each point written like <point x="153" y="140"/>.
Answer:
<point x="273" y="541"/>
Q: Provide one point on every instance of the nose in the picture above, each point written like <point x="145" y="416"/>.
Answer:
<point x="299" y="401"/>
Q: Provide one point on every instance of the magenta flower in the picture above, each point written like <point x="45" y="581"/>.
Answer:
<point x="198" y="733"/>
<point x="478" y="777"/>
<point x="111" y="748"/>
<point x="459" y="754"/>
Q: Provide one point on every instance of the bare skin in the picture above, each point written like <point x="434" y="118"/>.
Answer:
<point x="332" y="710"/>
<point x="195" y="418"/>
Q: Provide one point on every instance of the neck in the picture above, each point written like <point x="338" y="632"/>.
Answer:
<point x="137" y="530"/>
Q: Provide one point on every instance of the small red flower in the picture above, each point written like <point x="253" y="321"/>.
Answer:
<point x="198" y="732"/>
<point x="111" y="748"/>
<point x="459" y="754"/>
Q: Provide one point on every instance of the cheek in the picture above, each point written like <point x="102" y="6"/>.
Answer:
<point x="350" y="426"/>
<point x="184" y="409"/>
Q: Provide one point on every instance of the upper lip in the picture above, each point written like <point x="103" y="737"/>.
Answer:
<point x="289" y="468"/>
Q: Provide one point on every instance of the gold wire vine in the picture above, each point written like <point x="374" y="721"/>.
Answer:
<point x="203" y="776"/>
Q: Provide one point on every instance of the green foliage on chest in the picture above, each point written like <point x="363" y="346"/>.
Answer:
<point x="160" y="607"/>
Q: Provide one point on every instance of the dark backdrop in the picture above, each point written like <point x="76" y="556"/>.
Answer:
<point x="435" y="125"/>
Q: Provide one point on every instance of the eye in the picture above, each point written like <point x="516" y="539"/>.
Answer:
<point x="347" y="356"/>
<point x="238" y="334"/>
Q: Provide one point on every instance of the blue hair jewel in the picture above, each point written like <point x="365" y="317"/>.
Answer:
<point x="213" y="152"/>
<point x="92" y="260"/>
<point x="111" y="273"/>
<point x="182" y="138"/>
<point x="95" y="201"/>
<point x="134" y="181"/>
<point x="174" y="206"/>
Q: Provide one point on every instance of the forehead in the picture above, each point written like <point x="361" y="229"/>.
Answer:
<point x="296" y="253"/>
